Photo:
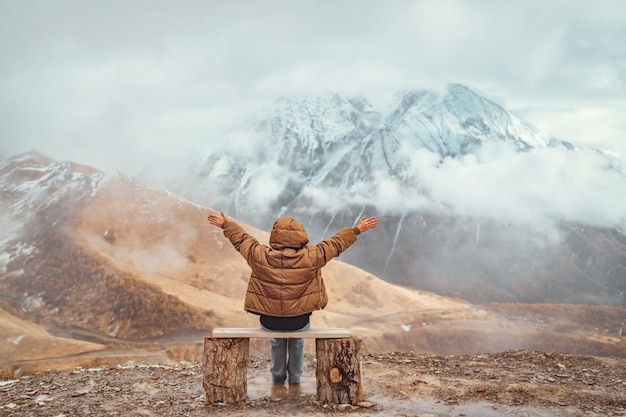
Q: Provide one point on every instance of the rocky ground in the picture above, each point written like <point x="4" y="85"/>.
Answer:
<point x="512" y="383"/>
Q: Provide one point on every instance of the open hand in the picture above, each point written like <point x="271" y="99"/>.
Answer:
<point x="366" y="224"/>
<point x="217" y="220"/>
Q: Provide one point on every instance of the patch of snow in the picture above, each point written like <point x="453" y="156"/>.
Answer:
<point x="24" y="249"/>
<point x="32" y="303"/>
<point x="4" y="260"/>
<point x="43" y="397"/>
<point x="115" y="331"/>
<point x="16" y="340"/>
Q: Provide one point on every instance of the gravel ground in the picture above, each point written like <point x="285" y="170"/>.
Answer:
<point x="512" y="383"/>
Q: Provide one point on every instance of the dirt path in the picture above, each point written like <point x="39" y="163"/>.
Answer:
<point x="513" y="383"/>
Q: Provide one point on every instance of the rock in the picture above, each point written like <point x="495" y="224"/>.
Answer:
<point x="80" y="392"/>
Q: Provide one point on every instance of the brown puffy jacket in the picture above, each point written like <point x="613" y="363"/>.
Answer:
<point x="286" y="278"/>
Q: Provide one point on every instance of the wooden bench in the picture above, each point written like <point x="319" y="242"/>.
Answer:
<point x="338" y="370"/>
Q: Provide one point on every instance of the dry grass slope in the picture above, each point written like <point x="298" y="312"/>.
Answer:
<point x="67" y="284"/>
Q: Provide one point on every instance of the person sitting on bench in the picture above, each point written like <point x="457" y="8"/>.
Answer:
<point x="286" y="283"/>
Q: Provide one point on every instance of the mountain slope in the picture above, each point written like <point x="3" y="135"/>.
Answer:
<point x="97" y="268"/>
<point x="53" y="278"/>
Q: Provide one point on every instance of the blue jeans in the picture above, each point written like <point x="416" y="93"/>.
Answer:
<point x="287" y="356"/>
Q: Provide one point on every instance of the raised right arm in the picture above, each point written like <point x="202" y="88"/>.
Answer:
<point x="342" y="240"/>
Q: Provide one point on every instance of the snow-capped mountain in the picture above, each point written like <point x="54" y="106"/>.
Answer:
<point x="459" y="122"/>
<point x="329" y="160"/>
<point x="344" y="145"/>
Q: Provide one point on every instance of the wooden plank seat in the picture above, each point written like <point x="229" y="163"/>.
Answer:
<point x="313" y="333"/>
<point x="338" y="372"/>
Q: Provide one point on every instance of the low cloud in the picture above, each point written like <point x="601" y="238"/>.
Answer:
<point x="538" y="186"/>
<point x="266" y="184"/>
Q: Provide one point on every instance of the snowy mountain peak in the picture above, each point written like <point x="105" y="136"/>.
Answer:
<point x="454" y="123"/>
<point x="459" y="122"/>
<point x="316" y="123"/>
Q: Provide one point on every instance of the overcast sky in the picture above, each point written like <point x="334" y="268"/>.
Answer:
<point x="115" y="83"/>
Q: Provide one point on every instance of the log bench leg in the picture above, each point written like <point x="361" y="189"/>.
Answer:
<point x="339" y="370"/>
<point x="225" y="369"/>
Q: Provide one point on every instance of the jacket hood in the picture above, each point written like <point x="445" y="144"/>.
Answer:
<point x="288" y="233"/>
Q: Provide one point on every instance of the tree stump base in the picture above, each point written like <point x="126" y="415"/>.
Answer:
<point x="225" y="370"/>
<point x="339" y="370"/>
<point x="338" y="373"/>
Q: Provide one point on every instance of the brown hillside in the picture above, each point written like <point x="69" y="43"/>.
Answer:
<point x="64" y="283"/>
